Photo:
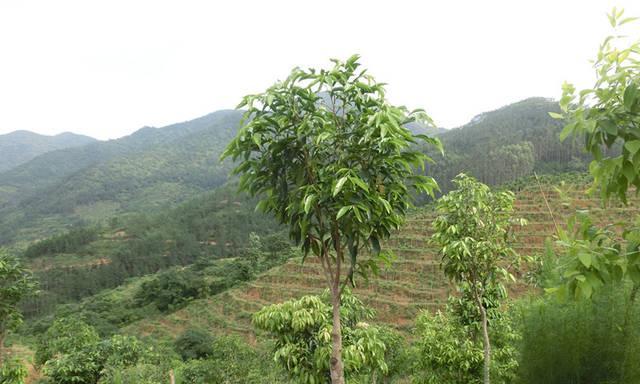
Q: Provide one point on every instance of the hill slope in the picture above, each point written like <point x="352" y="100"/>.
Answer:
<point x="157" y="167"/>
<point x="511" y="142"/>
<point x="148" y="169"/>
<point x="19" y="147"/>
<point x="413" y="283"/>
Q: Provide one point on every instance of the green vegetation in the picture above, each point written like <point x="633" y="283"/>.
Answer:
<point x="70" y="242"/>
<point x="19" y="147"/>
<point x="302" y="329"/>
<point x="608" y="113"/>
<point x="142" y="172"/>
<point x="472" y="230"/>
<point x="142" y="281"/>
<point x="332" y="160"/>
<point x="16" y="283"/>
<point x="449" y="347"/>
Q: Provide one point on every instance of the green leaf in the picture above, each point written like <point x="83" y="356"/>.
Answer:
<point x="609" y="127"/>
<point x="308" y="201"/>
<point x="566" y="131"/>
<point x="585" y="259"/>
<point x="343" y="211"/>
<point x="555" y="115"/>
<point x="339" y="185"/>
<point x="632" y="146"/>
<point x="358" y="181"/>
<point x="630" y="94"/>
<point x="629" y="171"/>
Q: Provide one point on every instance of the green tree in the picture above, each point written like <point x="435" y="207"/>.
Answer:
<point x="609" y="113"/>
<point x="302" y="330"/>
<point x="194" y="344"/>
<point x="473" y="230"/>
<point x="65" y="335"/>
<point x="16" y="283"/>
<point x="330" y="157"/>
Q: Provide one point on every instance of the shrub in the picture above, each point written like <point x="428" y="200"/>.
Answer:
<point x="194" y="344"/>
<point x="13" y="371"/>
<point x="449" y="350"/>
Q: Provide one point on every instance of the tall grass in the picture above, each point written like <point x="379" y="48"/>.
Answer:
<point x="581" y="342"/>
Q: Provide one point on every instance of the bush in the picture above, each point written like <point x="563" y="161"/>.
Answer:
<point x="233" y="362"/>
<point x="171" y="289"/>
<point x="194" y="344"/>
<point x="448" y="351"/>
<point x="13" y="371"/>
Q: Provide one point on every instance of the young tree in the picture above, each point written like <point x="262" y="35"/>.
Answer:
<point x="16" y="283"/>
<point x="330" y="157"/>
<point x="473" y="230"/>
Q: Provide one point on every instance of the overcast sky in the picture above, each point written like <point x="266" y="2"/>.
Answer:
<point x="107" y="68"/>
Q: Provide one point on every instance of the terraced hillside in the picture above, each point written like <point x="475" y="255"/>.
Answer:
<point x="413" y="283"/>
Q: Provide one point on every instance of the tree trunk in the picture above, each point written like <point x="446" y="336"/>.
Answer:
<point x="487" y="345"/>
<point x="2" y="335"/>
<point x="337" y="368"/>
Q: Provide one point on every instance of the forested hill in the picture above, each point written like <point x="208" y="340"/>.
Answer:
<point x="150" y="168"/>
<point x="508" y="143"/>
<point x="155" y="168"/>
<point x="19" y="147"/>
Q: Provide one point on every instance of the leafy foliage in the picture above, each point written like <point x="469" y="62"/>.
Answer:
<point x="473" y="231"/>
<point x="302" y="332"/>
<point x="16" y="283"/>
<point x="449" y="350"/>
<point x="194" y="344"/>
<point x="331" y="158"/>
<point x="72" y="352"/>
<point x="609" y="113"/>
<point x="68" y="242"/>
<point x="171" y="289"/>
<point x="233" y="361"/>
<point x="12" y="371"/>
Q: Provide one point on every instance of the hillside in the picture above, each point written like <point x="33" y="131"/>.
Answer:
<point x="413" y="283"/>
<point x="86" y="260"/>
<point x="154" y="168"/>
<point x="506" y="144"/>
<point x="19" y="147"/>
<point x="148" y="169"/>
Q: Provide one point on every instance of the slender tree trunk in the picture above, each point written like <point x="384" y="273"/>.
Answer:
<point x="337" y="368"/>
<point x="487" y="345"/>
<point x="2" y="335"/>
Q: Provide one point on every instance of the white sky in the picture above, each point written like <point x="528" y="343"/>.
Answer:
<point x="107" y="68"/>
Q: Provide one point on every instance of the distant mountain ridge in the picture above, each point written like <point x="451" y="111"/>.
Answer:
<point x="150" y="168"/>
<point x="20" y="147"/>
<point x="155" y="168"/>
